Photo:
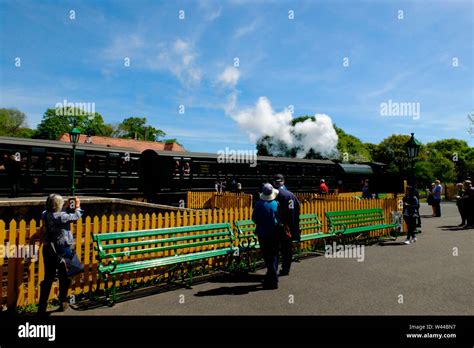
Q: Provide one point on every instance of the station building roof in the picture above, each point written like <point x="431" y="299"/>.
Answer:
<point x="138" y="145"/>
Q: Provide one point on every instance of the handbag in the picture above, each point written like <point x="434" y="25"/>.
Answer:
<point x="73" y="265"/>
<point x="70" y="260"/>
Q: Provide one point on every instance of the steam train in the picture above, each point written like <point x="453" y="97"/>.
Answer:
<point x="164" y="176"/>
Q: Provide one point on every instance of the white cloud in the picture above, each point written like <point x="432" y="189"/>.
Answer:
<point x="178" y="57"/>
<point x="230" y="76"/>
<point x="244" y="30"/>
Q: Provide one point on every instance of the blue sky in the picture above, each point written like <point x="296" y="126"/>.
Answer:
<point x="295" y="62"/>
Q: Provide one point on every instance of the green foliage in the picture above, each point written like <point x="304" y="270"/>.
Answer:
<point x="357" y="151"/>
<point x="13" y="123"/>
<point x="136" y="128"/>
<point x="55" y="123"/>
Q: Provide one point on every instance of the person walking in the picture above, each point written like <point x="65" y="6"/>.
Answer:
<point x="410" y="208"/>
<point x="289" y="227"/>
<point x="460" y="203"/>
<point x="265" y="216"/>
<point x="58" y="243"/>
<point x="438" y="189"/>
<point x="323" y="188"/>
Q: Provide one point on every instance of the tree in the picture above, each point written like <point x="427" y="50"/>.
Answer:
<point x="352" y="148"/>
<point x="13" y="123"/>
<point x="55" y="123"/>
<point x="136" y="128"/>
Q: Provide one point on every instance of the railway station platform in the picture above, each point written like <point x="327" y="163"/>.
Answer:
<point x="31" y="207"/>
<point x="433" y="276"/>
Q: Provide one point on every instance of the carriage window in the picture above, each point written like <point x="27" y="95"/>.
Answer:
<point x="100" y="164"/>
<point x="50" y="162"/>
<point x="187" y="167"/>
<point x="177" y="167"/>
<point x="63" y="161"/>
<point x="88" y="164"/>
<point x="114" y="160"/>
<point x="36" y="163"/>
<point x="134" y="165"/>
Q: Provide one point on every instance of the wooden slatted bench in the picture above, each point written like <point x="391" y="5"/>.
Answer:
<point x="360" y="221"/>
<point x="248" y="240"/>
<point x="180" y="243"/>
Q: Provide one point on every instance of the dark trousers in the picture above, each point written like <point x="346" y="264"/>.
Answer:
<point x="411" y="226"/>
<point x="269" y="249"/>
<point x="469" y="213"/>
<point x="462" y="212"/>
<point x="437" y="206"/>
<point x="14" y="186"/>
<point x="52" y="266"/>
<point x="286" y="250"/>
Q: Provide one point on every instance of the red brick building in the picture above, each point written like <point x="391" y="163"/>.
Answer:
<point x="138" y="145"/>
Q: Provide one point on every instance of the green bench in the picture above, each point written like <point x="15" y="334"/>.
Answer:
<point x="248" y="240"/>
<point x="165" y="247"/>
<point x="346" y="222"/>
<point x="308" y="223"/>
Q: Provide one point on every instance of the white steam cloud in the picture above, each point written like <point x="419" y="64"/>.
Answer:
<point x="261" y="120"/>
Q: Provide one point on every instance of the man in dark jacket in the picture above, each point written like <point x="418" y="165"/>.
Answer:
<point x="289" y="231"/>
<point x="13" y="169"/>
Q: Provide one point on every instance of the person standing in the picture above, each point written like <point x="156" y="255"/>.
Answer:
<point x="366" y="190"/>
<point x="459" y="203"/>
<point x="410" y="208"/>
<point x="438" y="189"/>
<point x="430" y="197"/>
<point x="468" y="204"/>
<point x="265" y="216"/>
<point x="323" y="188"/>
<point x="58" y="243"/>
<point x="13" y="169"/>
<point x="289" y="227"/>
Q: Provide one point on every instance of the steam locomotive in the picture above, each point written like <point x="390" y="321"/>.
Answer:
<point x="164" y="176"/>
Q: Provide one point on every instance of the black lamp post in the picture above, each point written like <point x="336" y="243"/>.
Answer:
<point x="74" y="135"/>
<point x="413" y="148"/>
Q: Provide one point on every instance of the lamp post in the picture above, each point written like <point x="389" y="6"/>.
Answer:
<point x="74" y="139"/>
<point x="413" y="148"/>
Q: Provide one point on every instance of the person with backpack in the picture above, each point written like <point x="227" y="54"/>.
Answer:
<point x="289" y="227"/>
<point x="265" y="216"/>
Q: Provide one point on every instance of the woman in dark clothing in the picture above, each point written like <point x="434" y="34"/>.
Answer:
<point x="410" y="215"/>
<point x="58" y="243"/>
<point x="459" y="203"/>
<point x="265" y="216"/>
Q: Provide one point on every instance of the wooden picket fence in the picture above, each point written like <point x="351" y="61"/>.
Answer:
<point x="21" y="277"/>
<point x="214" y="200"/>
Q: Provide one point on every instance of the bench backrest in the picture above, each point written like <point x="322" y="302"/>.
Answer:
<point x="350" y="218"/>
<point x="164" y="242"/>
<point x="308" y="222"/>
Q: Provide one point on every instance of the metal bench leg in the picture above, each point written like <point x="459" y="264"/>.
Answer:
<point x="190" y="275"/>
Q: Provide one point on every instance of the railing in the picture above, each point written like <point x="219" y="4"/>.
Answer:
<point x="21" y="277"/>
<point x="214" y="200"/>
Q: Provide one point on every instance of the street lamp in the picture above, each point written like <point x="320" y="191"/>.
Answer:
<point x="74" y="135"/>
<point x="413" y="148"/>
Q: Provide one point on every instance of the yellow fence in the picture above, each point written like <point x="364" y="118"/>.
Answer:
<point x="214" y="200"/>
<point x="21" y="277"/>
